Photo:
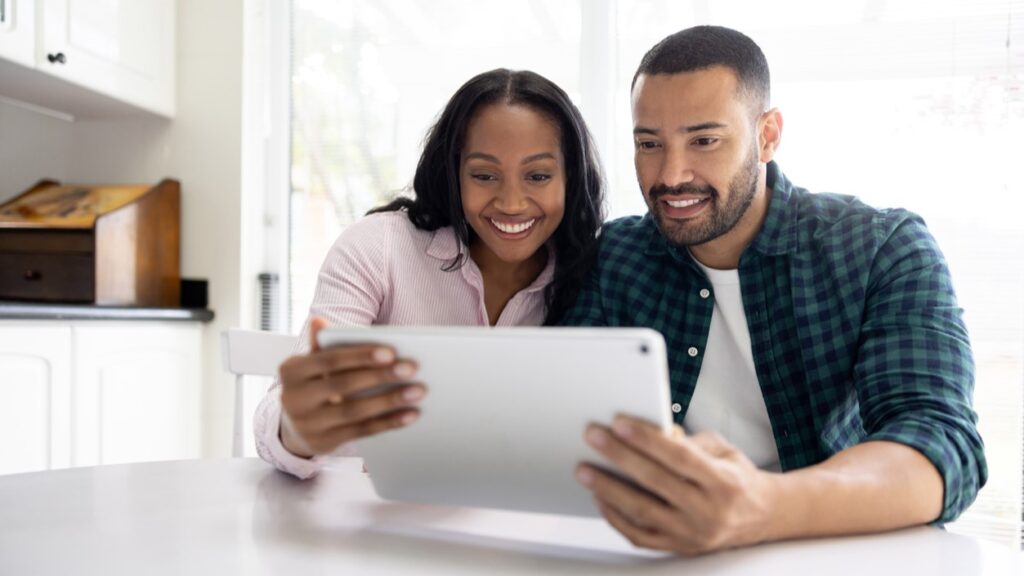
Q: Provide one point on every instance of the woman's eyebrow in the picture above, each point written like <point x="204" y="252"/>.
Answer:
<point x="494" y="159"/>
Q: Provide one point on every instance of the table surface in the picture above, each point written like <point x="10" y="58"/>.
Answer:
<point x="241" y="517"/>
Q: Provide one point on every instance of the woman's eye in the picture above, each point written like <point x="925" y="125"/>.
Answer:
<point x="484" y="177"/>
<point x="538" y="177"/>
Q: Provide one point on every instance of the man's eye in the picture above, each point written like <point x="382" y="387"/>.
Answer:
<point x="706" y="141"/>
<point x="647" y="145"/>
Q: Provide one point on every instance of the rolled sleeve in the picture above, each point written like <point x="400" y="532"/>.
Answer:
<point x="915" y="369"/>
<point x="267" y="426"/>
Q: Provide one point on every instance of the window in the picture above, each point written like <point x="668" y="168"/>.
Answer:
<point x="916" y="103"/>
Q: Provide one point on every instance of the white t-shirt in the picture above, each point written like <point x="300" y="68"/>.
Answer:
<point x="728" y="398"/>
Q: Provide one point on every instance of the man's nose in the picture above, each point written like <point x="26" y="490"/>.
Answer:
<point x="676" y="169"/>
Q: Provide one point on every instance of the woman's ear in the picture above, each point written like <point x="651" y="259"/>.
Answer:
<point x="769" y="134"/>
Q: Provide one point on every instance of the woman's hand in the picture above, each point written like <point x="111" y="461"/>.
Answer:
<point x="336" y="395"/>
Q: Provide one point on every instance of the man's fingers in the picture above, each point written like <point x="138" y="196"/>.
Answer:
<point x="713" y="444"/>
<point x="638" y="536"/>
<point x="643" y="509"/>
<point x="677" y="453"/>
<point x="649" y="474"/>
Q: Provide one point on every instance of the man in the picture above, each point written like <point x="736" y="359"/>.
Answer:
<point x="819" y="362"/>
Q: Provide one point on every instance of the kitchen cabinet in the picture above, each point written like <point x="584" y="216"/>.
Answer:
<point x="35" y="397"/>
<point x="137" y="393"/>
<point x="97" y="392"/>
<point x="17" y="31"/>
<point x="91" y="59"/>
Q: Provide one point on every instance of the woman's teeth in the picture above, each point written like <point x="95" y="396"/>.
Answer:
<point x="513" y="228"/>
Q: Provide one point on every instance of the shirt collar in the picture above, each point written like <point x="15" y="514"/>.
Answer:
<point x="778" y="234"/>
<point x="444" y="245"/>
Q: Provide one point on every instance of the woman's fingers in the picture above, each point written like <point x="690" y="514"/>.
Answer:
<point x="347" y="433"/>
<point x="319" y="363"/>
<point x="353" y="411"/>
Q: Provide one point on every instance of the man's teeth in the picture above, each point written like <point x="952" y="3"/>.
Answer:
<point x="513" y="228"/>
<point x="684" y="203"/>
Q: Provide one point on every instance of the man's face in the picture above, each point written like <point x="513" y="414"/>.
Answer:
<point x="696" y="152"/>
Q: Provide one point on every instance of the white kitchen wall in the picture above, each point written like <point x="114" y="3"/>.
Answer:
<point x="32" y="146"/>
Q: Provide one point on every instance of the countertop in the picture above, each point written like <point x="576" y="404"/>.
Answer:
<point x="10" y="310"/>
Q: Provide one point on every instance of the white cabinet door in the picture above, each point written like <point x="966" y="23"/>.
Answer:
<point x="137" y="392"/>
<point x="121" y="49"/>
<point x="35" y="397"/>
<point x="17" y="31"/>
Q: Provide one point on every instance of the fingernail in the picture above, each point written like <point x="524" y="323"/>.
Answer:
<point x="383" y="355"/>
<point x="584" y="476"/>
<point x="408" y="418"/>
<point x="404" y="370"/>
<point x="597" y="438"/>
<point x="623" y="428"/>
<point x="412" y="394"/>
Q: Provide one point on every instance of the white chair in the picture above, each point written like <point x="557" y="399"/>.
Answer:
<point x="251" y="353"/>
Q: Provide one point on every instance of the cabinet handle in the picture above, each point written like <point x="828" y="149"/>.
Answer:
<point x="57" y="58"/>
<point x="33" y="275"/>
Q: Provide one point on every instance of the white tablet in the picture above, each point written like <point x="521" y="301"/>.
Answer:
<point x="503" y="420"/>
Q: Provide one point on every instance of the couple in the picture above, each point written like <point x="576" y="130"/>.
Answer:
<point x="819" y="335"/>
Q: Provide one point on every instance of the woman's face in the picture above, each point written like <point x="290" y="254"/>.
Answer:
<point x="512" y="176"/>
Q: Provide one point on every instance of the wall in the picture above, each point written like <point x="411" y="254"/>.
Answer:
<point x="201" y="147"/>
<point x="32" y="146"/>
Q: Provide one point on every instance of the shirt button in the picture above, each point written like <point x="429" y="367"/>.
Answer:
<point x="692" y="351"/>
<point x="676" y="407"/>
<point x="704" y="293"/>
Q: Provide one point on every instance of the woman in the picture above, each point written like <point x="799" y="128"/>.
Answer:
<point x="501" y="230"/>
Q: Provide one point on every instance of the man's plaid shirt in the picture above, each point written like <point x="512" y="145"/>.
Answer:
<point x="855" y="329"/>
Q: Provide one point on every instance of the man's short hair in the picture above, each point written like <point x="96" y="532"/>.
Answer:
<point x="702" y="47"/>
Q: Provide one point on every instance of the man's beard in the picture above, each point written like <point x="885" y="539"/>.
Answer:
<point x="715" y="220"/>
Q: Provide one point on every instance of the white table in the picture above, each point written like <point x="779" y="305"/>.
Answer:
<point x="241" y="517"/>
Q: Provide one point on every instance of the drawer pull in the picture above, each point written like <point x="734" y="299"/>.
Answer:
<point x="57" y="58"/>
<point x="33" y="275"/>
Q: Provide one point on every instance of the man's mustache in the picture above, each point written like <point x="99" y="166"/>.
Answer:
<point x="659" y="190"/>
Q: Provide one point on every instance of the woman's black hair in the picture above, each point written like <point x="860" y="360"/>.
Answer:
<point x="437" y="200"/>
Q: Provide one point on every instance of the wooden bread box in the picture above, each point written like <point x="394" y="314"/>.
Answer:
<point x="107" y="245"/>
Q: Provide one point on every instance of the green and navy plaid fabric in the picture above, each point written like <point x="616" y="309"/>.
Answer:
<point x="854" y="325"/>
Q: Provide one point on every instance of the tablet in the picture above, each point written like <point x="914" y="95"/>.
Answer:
<point x="502" y="423"/>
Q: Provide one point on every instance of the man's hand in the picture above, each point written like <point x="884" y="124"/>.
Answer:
<point x="330" y="397"/>
<point x="695" y="494"/>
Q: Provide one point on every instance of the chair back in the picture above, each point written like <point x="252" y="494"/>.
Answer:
<point x="251" y="353"/>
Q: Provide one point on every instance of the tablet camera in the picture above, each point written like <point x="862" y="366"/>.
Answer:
<point x="643" y="349"/>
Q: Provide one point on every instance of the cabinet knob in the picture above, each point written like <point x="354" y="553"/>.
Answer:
<point x="57" y="58"/>
<point x="33" y="275"/>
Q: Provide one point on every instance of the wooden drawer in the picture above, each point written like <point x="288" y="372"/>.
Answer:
<point x="47" y="277"/>
<point x="47" y="241"/>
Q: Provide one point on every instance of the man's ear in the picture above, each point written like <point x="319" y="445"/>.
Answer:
<point x="769" y="134"/>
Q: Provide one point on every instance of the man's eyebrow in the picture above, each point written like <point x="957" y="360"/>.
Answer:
<point x="704" y="126"/>
<point x="686" y="129"/>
